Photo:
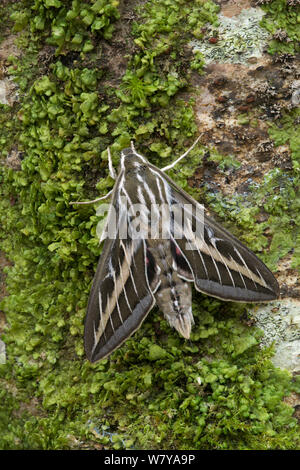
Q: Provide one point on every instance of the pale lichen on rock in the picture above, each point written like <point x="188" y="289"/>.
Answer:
<point x="280" y="322"/>
<point x="240" y="38"/>
<point x="8" y="92"/>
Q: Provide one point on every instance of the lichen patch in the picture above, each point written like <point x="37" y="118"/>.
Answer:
<point x="237" y="38"/>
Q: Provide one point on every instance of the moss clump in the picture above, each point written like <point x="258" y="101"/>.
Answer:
<point x="282" y="17"/>
<point x="67" y="25"/>
<point x="218" y="391"/>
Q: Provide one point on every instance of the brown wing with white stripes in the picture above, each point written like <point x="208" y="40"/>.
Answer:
<point x="120" y="297"/>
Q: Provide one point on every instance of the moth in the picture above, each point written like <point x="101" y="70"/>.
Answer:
<point x="158" y="265"/>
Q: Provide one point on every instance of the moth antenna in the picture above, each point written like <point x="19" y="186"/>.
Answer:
<point x="182" y="156"/>
<point x="110" y="165"/>
<point x="94" y="200"/>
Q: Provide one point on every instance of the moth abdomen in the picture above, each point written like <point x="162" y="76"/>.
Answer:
<point x="174" y="295"/>
<point x="176" y="304"/>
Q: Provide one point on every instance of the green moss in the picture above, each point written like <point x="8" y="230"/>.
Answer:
<point x="287" y="131"/>
<point x="67" y="25"/>
<point x="217" y="391"/>
<point x="282" y="17"/>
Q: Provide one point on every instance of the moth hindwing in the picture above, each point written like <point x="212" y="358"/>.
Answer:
<point x="154" y="258"/>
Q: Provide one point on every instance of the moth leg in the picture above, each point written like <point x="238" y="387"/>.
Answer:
<point x="182" y="156"/>
<point x="94" y="200"/>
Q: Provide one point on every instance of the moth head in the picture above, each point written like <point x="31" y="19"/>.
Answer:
<point x="130" y="159"/>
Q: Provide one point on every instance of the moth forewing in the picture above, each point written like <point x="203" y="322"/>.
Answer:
<point x="120" y="298"/>
<point x="157" y="265"/>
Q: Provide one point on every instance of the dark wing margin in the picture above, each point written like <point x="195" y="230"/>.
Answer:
<point x="218" y="263"/>
<point x="120" y="297"/>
